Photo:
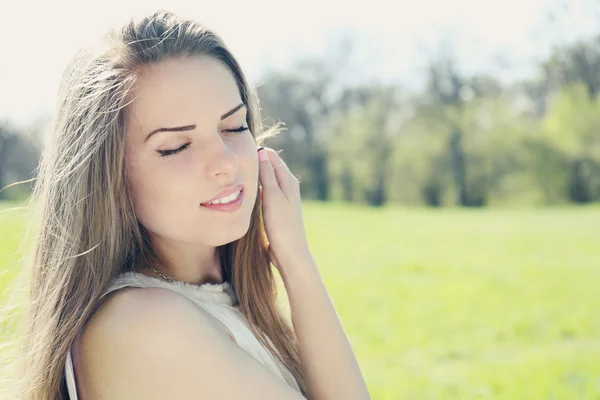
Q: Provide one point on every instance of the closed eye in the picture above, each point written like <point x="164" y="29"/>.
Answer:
<point x="166" y="153"/>
<point x="240" y="129"/>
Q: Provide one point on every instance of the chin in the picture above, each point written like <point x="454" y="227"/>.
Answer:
<point x="232" y="234"/>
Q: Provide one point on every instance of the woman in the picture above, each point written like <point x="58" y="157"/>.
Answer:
<point x="159" y="218"/>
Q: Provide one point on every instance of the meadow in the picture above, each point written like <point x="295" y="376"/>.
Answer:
<point x="454" y="303"/>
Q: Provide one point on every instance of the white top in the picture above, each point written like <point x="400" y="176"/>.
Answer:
<point x="220" y="301"/>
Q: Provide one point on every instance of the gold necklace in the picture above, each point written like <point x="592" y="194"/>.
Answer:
<point x="169" y="279"/>
<point x="165" y="276"/>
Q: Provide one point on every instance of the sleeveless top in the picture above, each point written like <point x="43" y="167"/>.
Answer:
<point x="220" y="301"/>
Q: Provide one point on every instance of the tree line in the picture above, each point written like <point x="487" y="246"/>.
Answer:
<point x="463" y="140"/>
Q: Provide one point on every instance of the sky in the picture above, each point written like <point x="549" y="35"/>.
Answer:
<point x="392" y="40"/>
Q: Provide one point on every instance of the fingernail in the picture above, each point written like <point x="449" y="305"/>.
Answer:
<point x="262" y="155"/>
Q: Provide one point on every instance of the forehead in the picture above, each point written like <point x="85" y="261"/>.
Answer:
<point x="187" y="90"/>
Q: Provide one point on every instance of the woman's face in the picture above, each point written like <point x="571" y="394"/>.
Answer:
<point x="199" y="97"/>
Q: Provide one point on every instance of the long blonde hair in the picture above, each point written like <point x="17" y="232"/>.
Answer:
<point x="87" y="231"/>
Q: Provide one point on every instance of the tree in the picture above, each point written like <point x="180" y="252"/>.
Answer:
<point x="363" y="133"/>
<point x="302" y="104"/>
<point x="572" y="125"/>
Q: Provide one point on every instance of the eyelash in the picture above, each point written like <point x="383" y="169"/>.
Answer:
<point x="167" y="153"/>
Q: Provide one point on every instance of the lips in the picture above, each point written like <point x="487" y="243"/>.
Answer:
<point x="232" y="206"/>
<point x="226" y="192"/>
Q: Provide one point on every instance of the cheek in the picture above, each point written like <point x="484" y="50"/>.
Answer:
<point x="138" y="191"/>
<point x="150" y="191"/>
<point x="155" y="203"/>
<point x="248" y="157"/>
<point x="133" y="182"/>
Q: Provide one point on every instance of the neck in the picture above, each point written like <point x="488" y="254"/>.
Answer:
<point x="190" y="263"/>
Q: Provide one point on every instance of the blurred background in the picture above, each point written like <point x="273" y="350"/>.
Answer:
<point x="449" y="153"/>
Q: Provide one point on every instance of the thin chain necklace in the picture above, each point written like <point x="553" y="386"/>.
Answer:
<point x="165" y="276"/>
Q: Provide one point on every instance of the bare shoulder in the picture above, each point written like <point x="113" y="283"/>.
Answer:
<point x="154" y="343"/>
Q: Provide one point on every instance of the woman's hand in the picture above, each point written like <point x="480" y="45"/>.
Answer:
<point x="282" y="211"/>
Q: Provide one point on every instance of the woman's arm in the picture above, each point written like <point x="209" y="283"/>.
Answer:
<point x="329" y="364"/>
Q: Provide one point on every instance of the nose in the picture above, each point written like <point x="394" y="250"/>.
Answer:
<point x="221" y="160"/>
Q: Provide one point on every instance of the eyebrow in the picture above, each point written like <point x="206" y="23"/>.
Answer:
<point x="190" y="127"/>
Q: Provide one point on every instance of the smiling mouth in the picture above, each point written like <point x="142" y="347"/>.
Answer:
<point x="227" y="199"/>
<point x="229" y="203"/>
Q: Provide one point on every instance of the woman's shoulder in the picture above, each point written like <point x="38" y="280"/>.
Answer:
<point x="134" y="302"/>
<point x="135" y="326"/>
<point x="134" y="308"/>
<point x="127" y="312"/>
<point x="154" y="343"/>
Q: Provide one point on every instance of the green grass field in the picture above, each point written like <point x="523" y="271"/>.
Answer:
<point x="457" y="304"/>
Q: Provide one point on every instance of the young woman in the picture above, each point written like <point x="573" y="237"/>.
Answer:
<point x="159" y="219"/>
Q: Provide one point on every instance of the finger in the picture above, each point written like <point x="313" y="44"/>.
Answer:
<point x="287" y="181"/>
<point x="266" y="174"/>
